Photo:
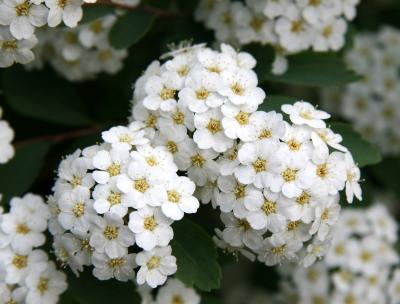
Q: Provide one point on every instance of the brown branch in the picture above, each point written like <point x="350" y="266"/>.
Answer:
<point x="151" y="10"/>
<point x="60" y="137"/>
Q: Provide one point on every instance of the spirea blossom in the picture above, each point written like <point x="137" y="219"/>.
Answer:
<point x="26" y="273"/>
<point x="113" y="206"/>
<point x="290" y="26"/>
<point x="276" y="183"/>
<point x="372" y="103"/>
<point x="358" y="268"/>
<point x="6" y="136"/>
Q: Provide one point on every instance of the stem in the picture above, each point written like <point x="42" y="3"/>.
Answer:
<point x="60" y="137"/>
<point x="148" y="9"/>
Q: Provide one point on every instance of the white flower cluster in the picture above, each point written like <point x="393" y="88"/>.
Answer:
<point x="277" y="184"/>
<point x="26" y="274"/>
<point x="290" y="26"/>
<point x="19" y="20"/>
<point x="79" y="53"/>
<point x="6" y="136"/>
<point x="359" y="267"/>
<point x="112" y="196"/>
<point x="372" y="103"/>
<point x="173" y="292"/>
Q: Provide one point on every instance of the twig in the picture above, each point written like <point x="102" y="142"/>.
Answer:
<point x="152" y="10"/>
<point x="60" y="137"/>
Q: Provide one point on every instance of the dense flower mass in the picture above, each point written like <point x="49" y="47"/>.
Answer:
<point x="290" y="26"/>
<point x="173" y="292"/>
<point x="276" y="183"/>
<point x="359" y="267"/>
<point x="112" y="196"/>
<point x="372" y="103"/>
<point x="26" y="273"/>
<point x="79" y="53"/>
<point x="6" y="136"/>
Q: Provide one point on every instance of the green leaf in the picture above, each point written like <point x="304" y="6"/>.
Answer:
<point x="88" y="290"/>
<point x="388" y="173"/>
<point x="42" y="96"/>
<point x="364" y="152"/>
<point x="17" y="176"/>
<point x="196" y="256"/>
<point x="315" y="69"/>
<point x="130" y="28"/>
<point x="265" y="56"/>
<point x="93" y="12"/>
<point x="274" y="103"/>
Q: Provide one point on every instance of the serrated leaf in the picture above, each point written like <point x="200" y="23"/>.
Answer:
<point x="130" y="28"/>
<point x="42" y="96"/>
<point x="17" y="176"/>
<point x="196" y="256"/>
<point x="275" y="102"/>
<point x="88" y="290"/>
<point x="364" y="153"/>
<point x="93" y="12"/>
<point x="316" y="70"/>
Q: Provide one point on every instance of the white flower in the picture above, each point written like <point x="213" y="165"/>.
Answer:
<point x="300" y="207"/>
<point x="176" y="197"/>
<point x="12" y="50"/>
<point x="352" y="179"/>
<point x="214" y="62"/>
<point x="220" y="242"/>
<point x="76" y="210"/>
<point x="94" y="33"/>
<point x="125" y="136"/>
<point x="109" y="163"/>
<point x="109" y="235"/>
<point x="275" y="251"/>
<point x="240" y="124"/>
<point x="68" y="11"/>
<point x="45" y="286"/>
<point x="155" y="266"/>
<point x="22" y="16"/>
<point x="270" y="125"/>
<point x="121" y="268"/>
<point x="326" y="216"/>
<point x="175" y="291"/>
<point x="315" y="251"/>
<point x="209" y="132"/>
<point x="383" y="225"/>
<point x="151" y="228"/>
<point x="330" y="35"/>
<point x="303" y="113"/>
<point x="321" y="10"/>
<point x="203" y="167"/>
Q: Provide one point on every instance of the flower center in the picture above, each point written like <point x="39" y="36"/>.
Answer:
<point x="259" y="165"/>
<point x="202" y="94"/>
<point x="172" y="147"/>
<point x="75" y="181"/>
<point x="297" y="26"/>
<point x="240" y="191"/>
<point x="43" y="285"/>
<point x="303" y="199"/>
<point x="214" y="126"/>
<point x="269" y="207"/>
<point x="198" y="161"/>
<point x="314" y="2"/>
<point x="214" y="69"/>
<point x="227" y="18"/>
<point x="322" y="170"/>
<point x="178" y="117"/>
<point x="151" y="161"/>
<point x="183" y="71"/>
<point x="289" y="175"/>
<point x="243" y="224"/>
<point x="233" y="155"/>
<point x="256" y="24"/>
<point x="279" y="250"/>
<point x="141" y="185"/>
<point x="340" y="250"/>
<point x="20" y="261"/>
<point x="104" y="55"/>
<point x="96" y="26"/>
<point x="242" y="118"/>
<point x="325" y="214"/>
<point x="327" y="32"/>
<point x="293" y="225"/>
<point x="23" y="9"/>
<point x="111" y="232"/>
<point x="79" y="209"/>
<point x="71" y="38"/>
<point x="150" y="223"/>
<point x="294" y="145"/>
<point x="153" y="262"/>
<point x="237" y="89"/>
<point x="266" y="133"/>
<point x="313" y="275"/>
<point x="114" y="169"/>
<point x="22" y="229"/>
<point x="173" y="196"/>
<point x="114" y="198"/>
<point x="9" y="45"/>
<point x="62" y="3"/>
<point x="151" y="121"/>
<point x="116" y="263"/>
<point x="176" y="299"/>
<point x="166" y="93"/>
<point x="306" y="115"/>
<point x="125" y="138"/>
<point x="366" y="256"/>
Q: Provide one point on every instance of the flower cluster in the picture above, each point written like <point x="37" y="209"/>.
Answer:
<point x="79" y="53"/>
<point x="359" y="266"/>
<point x="173" y="292"/>
<point x="290" y="26"/>
<point x="276" y="183"/>
<point x="26" y="274"/>
<point x="112" y="196"/>
<point x="372" y="103"/>
<point x="20" y="37"/>
<point x="6" y="136"/>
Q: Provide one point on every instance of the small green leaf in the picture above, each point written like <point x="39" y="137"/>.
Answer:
<point x="364" y="152"/>
<point x="275" y="102"/>
<point x="196" y="256"/>
<point x="42" y="96"/>
<point x="93" y="12"/>
<point x="316" y="69"/>
<point x="17" y="176"/>
<point x="130" y="28"/>
<point x="89" y="290"/>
